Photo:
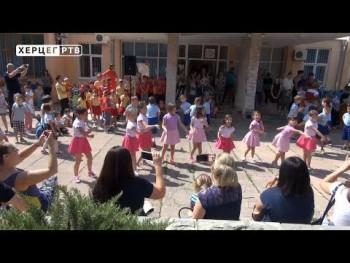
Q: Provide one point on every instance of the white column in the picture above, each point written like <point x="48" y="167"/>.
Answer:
<point x="248" y="73"/>
<point x="171" y="69"/>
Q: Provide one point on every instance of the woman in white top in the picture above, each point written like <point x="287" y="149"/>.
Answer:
<point x="341" y="214"/>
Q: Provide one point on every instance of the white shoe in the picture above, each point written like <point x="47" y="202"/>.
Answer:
<point x="244" y="160"/>
<point x="136" y="173"/>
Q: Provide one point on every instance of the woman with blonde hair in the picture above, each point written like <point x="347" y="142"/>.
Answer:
<point x="223" y="199"/>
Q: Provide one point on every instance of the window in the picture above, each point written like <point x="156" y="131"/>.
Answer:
<point x="317" y="62"/>
<point x="182" y="51"/>
<point x="195" y="51"/>
<point x="271" y="60"/>
<point x="153" y="54"/>
<point x="8" y="44"/>
<point x="91" y="60"/>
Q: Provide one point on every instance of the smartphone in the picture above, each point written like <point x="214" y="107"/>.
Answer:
<point x="202" y="158"/>
<point x="146" y="155"/>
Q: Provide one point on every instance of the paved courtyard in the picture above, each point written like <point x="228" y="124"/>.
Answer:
<point x="179" y="177"/>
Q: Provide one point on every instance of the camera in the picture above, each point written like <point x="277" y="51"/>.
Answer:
<point x="146" y="155"/>
<point x="202" y="158"/>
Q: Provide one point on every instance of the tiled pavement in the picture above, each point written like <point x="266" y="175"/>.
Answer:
<point x="179" y="177"/>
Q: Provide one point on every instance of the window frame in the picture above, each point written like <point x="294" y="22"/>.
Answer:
<point x="315" y="64"/>
<point x="90" y="60"/>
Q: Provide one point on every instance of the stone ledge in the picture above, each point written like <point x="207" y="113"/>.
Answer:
<point x="203" y="224"/>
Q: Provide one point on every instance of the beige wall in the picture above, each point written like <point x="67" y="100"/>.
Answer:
<point x="289" y="64"/>
<point x="335" y="48"/>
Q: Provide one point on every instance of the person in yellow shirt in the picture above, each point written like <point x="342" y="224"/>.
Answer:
<point x="62" y="94"/>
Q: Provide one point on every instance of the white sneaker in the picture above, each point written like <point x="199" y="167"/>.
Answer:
<point x="136" y="173"/>
<point x="322" y="152"/>
<point x="244" y="160"/>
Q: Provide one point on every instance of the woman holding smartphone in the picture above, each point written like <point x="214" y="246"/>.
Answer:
<point x="25" y="181"/>
<point x="117" y="176"/>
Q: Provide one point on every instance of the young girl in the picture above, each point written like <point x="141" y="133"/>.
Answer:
<point x="18" y="113"/>
<point x="309" y="144"/>
<point x="346" y="129"/>
<point x="324" y="125"/>
<point x="50" y="125"/>
<point x="252" y="138"/>
<point x="170" y="135"/>
<point x="96" y="106"/>
<point x="197" y="134"/>
<point x="225" y="133"/>
<point x="144" y="136"/>
<point x="28" y="118"/>
<point x="3" y="110"/>
<point x="130" y="141"/>
<point x="79" y="145"/>
<point x="282" y="139"/>
<point x="201" y="182"/>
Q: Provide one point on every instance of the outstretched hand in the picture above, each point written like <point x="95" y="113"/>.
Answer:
<point x="157" y="160"/>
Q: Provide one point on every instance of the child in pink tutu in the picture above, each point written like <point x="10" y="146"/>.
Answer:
<point x="79" y="145"/>
<point x="282" y="139"/>
<point x="170" y="135"/>
<point x="130" y="141"/>
<point x="144" y="135"/>
<point x="225" y="141"/>
<point x="197" y="133"/>
<point x="252" y="138"/>
<point x="309" y="143"/>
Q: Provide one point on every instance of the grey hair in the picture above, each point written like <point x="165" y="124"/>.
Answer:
<point x="9" y="65"/>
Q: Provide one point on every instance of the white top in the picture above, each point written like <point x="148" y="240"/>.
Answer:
<point x="48" y="118"/>
<point x="341" y="214"/>
<point x="198" y="123"/>
<point x="78" y="123"/>
<point x="287" y="84"/>
<point x="193" y="110"/>
<point x="308" y="125"/>
<point x="64" y="118"/>
<point x="144" y="118"/>
<point x="129" y="129"/>
<point x="31" y="94"/>
<point x="225" y="131"/>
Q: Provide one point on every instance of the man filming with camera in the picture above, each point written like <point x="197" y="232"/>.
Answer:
<point x="11" y="78"/>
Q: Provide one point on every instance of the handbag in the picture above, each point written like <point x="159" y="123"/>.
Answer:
<point x="190" y="210"/>
<point x="257" y="216"/>
<point x="329" y="206"/>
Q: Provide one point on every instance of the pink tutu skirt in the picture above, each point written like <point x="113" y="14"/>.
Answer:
<point x="170" y="137"/>
<point x="197" y="135"/>
<point x="282" y="144"/>
<point x="145" y="140"/>
<point x="131" y="143"/>
<point x="308" y="144"/>
<point x="225" y="144"/>
<point x="79" y="145"/>
<point x="251" y="139"/>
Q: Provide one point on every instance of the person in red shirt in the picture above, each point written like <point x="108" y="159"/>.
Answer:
<point x="111" y="73"/>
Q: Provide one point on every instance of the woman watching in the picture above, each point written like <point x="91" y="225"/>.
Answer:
<point x="117" y="175"/>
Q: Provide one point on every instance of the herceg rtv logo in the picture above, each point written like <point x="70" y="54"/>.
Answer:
<point x="49" y="50"/>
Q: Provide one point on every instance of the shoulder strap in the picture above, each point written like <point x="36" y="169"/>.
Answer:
<point x="330" y="203"/>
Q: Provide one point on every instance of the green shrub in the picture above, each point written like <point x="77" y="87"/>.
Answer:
<point x="71" y="210"/>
